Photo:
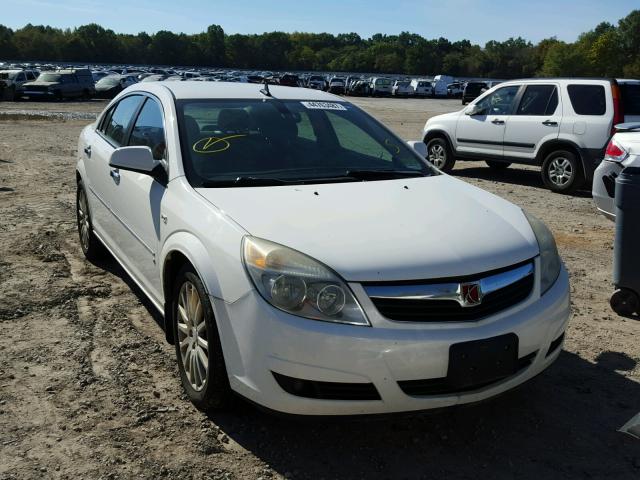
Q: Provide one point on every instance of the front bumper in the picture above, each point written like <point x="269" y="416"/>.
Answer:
<point x="259" y="339"/>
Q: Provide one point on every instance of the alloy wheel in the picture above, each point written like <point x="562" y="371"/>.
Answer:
<point x="192" y="336"/>
<point x="83" y="220"/>
<point x="437" y="155"/>
<point x="560" y="171"/>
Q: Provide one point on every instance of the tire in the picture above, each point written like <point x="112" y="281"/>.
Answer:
<point x="625" y="302"/>
<point x="562" y="172"/>
<point x="494" y="165"/>
<point x="209" y="390"/>
<point x="92" y="248"/>
<point x="464" y="102"/>
<point x="439" y="154"/>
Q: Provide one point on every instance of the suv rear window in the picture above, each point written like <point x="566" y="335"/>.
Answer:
<point x="538" y="100"/>
<point x="630" y="93"/>
<point x="587" y="99"/>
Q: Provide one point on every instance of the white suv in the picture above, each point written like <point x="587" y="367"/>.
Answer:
<point x="561" y="125"/>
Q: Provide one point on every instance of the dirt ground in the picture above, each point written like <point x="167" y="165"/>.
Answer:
<point x="89" y="388"/>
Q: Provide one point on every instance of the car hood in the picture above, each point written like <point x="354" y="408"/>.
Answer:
<point x="40" y="84"/>
<point x="102" y="88"/>
<point x="419" y="228"/>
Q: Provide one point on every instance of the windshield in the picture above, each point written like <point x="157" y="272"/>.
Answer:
<point x="288" y="141"/>
<point x="383" y="81"/>
<point x="106" y="81"/>
<point x="49" y="77"/>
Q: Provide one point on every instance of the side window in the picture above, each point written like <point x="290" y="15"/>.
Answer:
<point x="20" y="77"/>
<point x="587" y="99"/>
<point x="118" y="124"/>
<point x="538" y="100"/>
<point x="149" y="129"/>
<point x="630" y="93"/>
<point x="499" y="102"/>
<point x="30" y="76"/>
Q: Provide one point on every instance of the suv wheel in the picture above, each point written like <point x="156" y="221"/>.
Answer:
<point x="494" y="165"/>
<point x="562" y="172"/>
<point x="198" y="349"/>
<point x="439" y="154"/>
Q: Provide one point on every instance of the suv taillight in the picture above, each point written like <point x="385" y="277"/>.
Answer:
<point x="615" y="152"/>
<point x="618" y="114"/>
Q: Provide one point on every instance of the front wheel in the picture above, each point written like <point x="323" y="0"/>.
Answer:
<point x="494" y="165"/>
<point x="562" y="172"/>
<point x="625" y="302"/>
<point x="439" y="154"/>
<point x="198" y="348"/>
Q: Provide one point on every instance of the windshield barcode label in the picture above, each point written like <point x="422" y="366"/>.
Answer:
<point x="323" y="105"/>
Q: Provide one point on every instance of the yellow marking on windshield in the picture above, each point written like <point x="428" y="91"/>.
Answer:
<point x="214" y="144"/>
<point x="388" y="142"/>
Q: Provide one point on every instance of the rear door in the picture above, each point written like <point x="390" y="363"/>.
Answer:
<point x="535" y="120"/>
<point x="483" y="134"/>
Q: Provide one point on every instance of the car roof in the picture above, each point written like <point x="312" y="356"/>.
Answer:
<point x="235" y="90"/>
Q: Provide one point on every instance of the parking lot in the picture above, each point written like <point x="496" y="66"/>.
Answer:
<point x="89" y="388"/>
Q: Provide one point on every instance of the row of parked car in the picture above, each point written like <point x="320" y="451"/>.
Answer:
<point x="50" y="81"/>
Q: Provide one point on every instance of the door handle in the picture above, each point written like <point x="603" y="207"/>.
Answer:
<point x="495" y="121"/>
<point x="87" y="150"/>
<point x="550" y="123"/>
<point x="115" y="174"/>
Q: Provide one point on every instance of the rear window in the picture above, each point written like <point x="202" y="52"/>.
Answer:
<point x="538" y="100"/>
<point x="630" y="94"/>
<point x="587" y="99"/>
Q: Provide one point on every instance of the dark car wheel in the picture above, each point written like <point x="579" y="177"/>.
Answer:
<point x="198" y="349"/>
<point x="562" y="172"/>
<point x="439" y="154"/>
<point x="91" y="246"/>
<point x="497" y="165"/>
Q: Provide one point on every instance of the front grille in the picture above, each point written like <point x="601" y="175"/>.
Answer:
<point x="326" y="390"/>
<point x="450" y="310"/>
<point x="441" y="386"/>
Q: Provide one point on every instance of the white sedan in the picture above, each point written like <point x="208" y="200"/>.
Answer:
<point x="306" y="258"/>
<point x="622" y="151"/>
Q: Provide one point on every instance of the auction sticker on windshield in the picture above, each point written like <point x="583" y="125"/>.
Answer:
<point x="323" y="105"/>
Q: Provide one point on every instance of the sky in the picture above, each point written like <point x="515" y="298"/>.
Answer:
<point x="478" y="21"/>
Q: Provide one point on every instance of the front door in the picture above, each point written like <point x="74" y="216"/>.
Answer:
<point x="137" y="200"/>
<point x="482" y="134"/>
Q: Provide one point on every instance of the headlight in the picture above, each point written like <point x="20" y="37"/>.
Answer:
<point x="298" y="284"/>
<point x="549" y="258"/>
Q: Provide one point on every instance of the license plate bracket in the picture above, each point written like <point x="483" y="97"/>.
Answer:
<point x="481" y="362"/>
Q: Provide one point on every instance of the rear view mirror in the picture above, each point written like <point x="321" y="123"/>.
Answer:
<point x="138" y="159"/>
<point x="474" y="109"/>
<point x="419" y="147"/>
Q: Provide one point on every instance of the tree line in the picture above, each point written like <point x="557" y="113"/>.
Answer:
<point x="607" y="50"/>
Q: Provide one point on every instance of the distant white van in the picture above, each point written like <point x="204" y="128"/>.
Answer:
<point x="440" y="83"/>
<point x="380" y="86"/>
<point x="421" y="87"/>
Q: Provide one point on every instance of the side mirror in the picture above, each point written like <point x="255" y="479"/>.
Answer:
<point x="419" y="147"/>
<point x="139" y="160"/>
<point x="474" y="109"/>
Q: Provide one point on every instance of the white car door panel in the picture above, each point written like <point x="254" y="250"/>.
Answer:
<point x="535" y="121"/>
<point x="137" y="201"/>
<point x="483" y="133"/>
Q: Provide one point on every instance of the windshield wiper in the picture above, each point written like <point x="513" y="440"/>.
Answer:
<point x="383" y="174"/>
<point x="244" y="182"/>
